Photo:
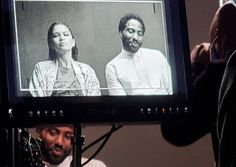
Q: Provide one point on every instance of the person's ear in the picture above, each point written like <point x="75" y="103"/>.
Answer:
<point x="223" y="38"/>
<point x="121" y="35"/>
<point x="39" y="132"/>
<point x="51" y="45"/>
<point x="73" y="42"/>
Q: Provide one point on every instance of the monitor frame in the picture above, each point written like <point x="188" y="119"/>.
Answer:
<point x="30" y="111"/>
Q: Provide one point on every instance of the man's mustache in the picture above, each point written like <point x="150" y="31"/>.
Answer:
<point x="57" y="148"/>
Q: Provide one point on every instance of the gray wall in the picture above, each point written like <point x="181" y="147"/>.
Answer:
<point x="143" y="145"/>
<point x="94" y="25"/>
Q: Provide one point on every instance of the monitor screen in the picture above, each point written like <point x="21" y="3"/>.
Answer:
<point x="94" y="61"/>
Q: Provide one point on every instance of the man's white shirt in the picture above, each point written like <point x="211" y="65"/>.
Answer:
<point x="68" y="160"/>
<point x="146" y="72"/>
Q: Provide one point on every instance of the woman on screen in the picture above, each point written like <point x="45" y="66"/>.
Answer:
<point x="62" y="74"/>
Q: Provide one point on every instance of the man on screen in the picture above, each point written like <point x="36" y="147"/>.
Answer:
<point x="136" y="70"/>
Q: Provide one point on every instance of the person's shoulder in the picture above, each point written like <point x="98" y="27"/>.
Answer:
<point x="153" y="55"/>
<point x="114" y="61"/>
<point x="45" y="63"/>
<point x="93" y="163"/>
<point x="152" y="51"/>
<point x="86" y="68"/>
<point x="232" y="60"/>
<point x="83" y="65"/>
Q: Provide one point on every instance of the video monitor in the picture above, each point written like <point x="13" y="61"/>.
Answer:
<point x="91" y="61"/>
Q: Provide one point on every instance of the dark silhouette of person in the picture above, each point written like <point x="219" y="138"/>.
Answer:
<point x="208" y="63"/>
<point x="226" y="118"/>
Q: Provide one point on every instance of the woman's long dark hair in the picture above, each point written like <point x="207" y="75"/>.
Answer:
<point x="52" y="52"/>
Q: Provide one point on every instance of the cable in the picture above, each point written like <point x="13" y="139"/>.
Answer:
<point x="102" y="137"/>
<point x="106" y="136"/>
<point x="29" y="150"/>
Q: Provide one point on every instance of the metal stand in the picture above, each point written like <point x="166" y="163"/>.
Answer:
<point x="77" y="142"/>
<point x="11" y="152"/>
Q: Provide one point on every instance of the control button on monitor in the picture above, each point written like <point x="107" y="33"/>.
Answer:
<point x="163" y="110"/>
<point x="53" y="113"/>
<point x="61" y="113"/>
<point x="31" y="113"/>
<point x="185" y="109"/>
<point x="10" y="113"/>
<point x="149" y="111"/>
<point x="142" y="111"/>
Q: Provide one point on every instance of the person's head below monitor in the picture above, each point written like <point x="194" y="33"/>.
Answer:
<point x="131" y="29"/>
<point x="61" y="41"/>
<point x="56" y="142"/>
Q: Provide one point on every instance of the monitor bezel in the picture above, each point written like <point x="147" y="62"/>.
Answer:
<point x="98" y="109"/>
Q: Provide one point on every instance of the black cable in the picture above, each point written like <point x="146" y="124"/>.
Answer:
<point x="30" y="151"/>
<point x="102" y="137"/>
<point x="106" y="136"/>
